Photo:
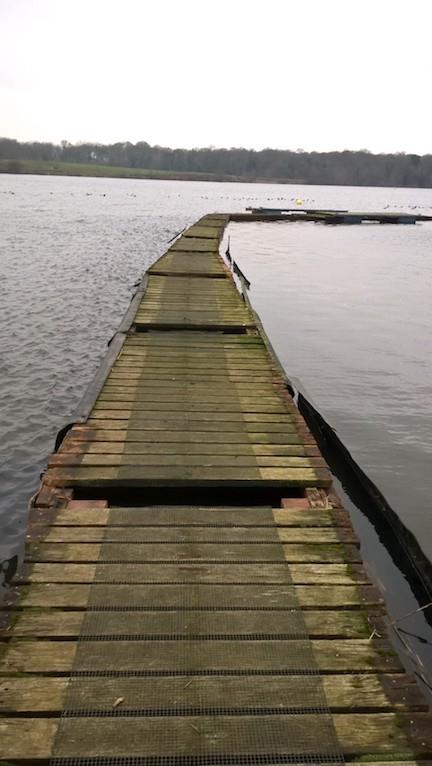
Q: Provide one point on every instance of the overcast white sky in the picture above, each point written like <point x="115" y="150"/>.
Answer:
<point x="317" y="74"/>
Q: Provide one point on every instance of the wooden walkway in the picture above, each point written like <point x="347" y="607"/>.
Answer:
<point x="193" y="398"/>
<point x="183" y="634"/>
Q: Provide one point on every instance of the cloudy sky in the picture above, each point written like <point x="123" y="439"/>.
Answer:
<point x="317" y="74"/>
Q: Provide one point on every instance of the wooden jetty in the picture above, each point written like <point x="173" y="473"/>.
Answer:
<point x="336" y="216"/>
<point x="193" y="592"/>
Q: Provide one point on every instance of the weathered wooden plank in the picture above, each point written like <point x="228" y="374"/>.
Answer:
<point x="164" y="312"/>
<point x="65" y="624"/>
<point x="27" y="738"/>
<point x="320" y="560"/>
<point x="188" y="377"/>
<point x="191" y="363"/>
<point x="231" y="395"/>
<point x="147" y="358"/>
<point x="163" y="306"/>
<point x="215" y="309"/>
<point x="172" y="305"/>
<point x="185" y="397"/>
<point x="139" y="435"/>
<point x="192" y="393"/>
<point x="180" y="341"/>
<point x="170" y="267"/>
<point x="176" y="303"/>
<point x="189" y="570"/>
<point x="133" y="533"/>
<point x="213" y="357"/>
<point x="193" y="423"/>
<point x="226" y="350"/>
<point x="217" y="290"/>
<point x="192" y="396"/>
<point x="255" y="519"/>
<point x="186" y="306"/>
<point x="294" y="553"/>
<point x="133" y="476"/>
<point x="150" y="322"/>
<point x="223" y="377"/>
<point x="222" y="343"/>
<point x="262" y="596"/>
<point x="190" y="339"/>
<point x="188" y="263"/>
<point x="194" y="283"/>
<point x="408" y="736"/>
<point x="178" y="448"/>
<point x="193" y="415"/>
<point x="354" y="693"/>
<point x="353" y="655"/>
<point x="65" y="458"/>
<point x="170" y="386"/>
<point x="133" y="394"/>
<point x="126" y="364"/>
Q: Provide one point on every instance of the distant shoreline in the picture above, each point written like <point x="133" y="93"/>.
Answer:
<point x="90" y="170"/>
<point x="49" y="168"/>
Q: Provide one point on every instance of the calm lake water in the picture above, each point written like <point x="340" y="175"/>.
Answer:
<point x="348" y="310"/>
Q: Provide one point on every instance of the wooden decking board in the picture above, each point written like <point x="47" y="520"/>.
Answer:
<point x="170" y="264"/>
<point x="170" y="390"/>
<point x="76" y="595"/>
<point x="188" y="403"/>
<point x="54" y="623"/>
<point x="192" y="449"/>
<point x="193" y="286"/>
<point x="118" y="420"/>
<point x="140" y="435"/>
<point x="154" y="376"/>
<point x="157" y="421"/>
<point x="355" y="693"/>
<point x="229" y="356"/>
<point x="68" y="459"/>
<point x="314" y="553"/>
<point x="225" y="614"/>
<point x="359" y="735"/>
<point x="184" y="364"/>
<point x="196" y="656"/>
<point x="183" y="476"/>
<point x="195" y="340"/>
<point x="131" y="366"/>
<point x="191" y="532"/>
<point x="254" y="519"/>
<point x="213" y="559"/>
<point x="185" y="568"/>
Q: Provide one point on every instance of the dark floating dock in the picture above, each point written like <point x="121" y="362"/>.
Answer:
<point x="193" y="592"/>
<point x="336" y="216"/>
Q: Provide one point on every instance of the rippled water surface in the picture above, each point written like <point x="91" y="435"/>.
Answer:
<point x="347" y="308"/>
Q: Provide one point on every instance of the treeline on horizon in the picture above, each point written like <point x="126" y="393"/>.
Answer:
<point x="355" y="168"/>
